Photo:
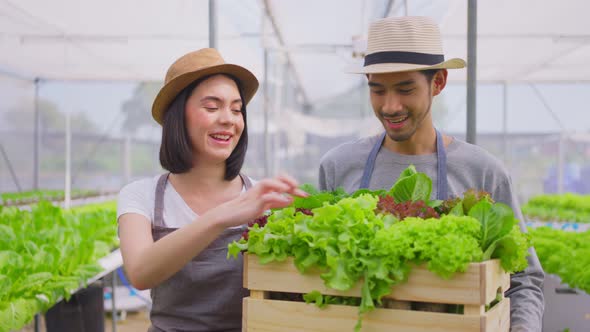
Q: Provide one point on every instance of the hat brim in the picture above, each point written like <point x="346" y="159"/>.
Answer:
<point x="382" y="68"/>
<point x="248" y="82"/>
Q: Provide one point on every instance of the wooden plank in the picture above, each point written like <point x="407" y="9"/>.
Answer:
<point x="476" y="310"/>
<point x="494" y="279"/>
<point x="256" y="294"/>
<point x="272" y="315"/>
<point x="422" y="285"/>
<point x="497" y="319"/>
<point x="245" y="314"/>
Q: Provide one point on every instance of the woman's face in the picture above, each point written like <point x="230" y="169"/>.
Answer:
<point x="214" y="118"/>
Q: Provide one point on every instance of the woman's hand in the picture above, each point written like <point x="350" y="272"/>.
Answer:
<point x="266" y="194"/>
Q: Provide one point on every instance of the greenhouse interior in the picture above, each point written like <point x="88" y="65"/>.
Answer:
<point x="79" y="81"/>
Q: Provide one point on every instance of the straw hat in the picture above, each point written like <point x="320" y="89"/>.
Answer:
<point x="406" y="43"/>
<point x="193" y="66"/>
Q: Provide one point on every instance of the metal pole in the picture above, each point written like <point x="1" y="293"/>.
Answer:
<point x="10" y="169"/>
<point x="560" y="162"/>
<point x="471" y="69"/>
<point x="114" y="307"/>
<point x="212" y="25"/>
<point x="36" y="138"/>
<point x="68" y="177"/>
<point x="37" y="322"/>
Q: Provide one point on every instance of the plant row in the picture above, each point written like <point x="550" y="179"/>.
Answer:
<point x="34" y="196"/>
<point x="47" y="253"/>
<point x="559" y="207"/>
<point x="566" y="254"/>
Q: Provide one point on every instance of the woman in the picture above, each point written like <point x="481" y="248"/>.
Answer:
<point x="174" y="228"/>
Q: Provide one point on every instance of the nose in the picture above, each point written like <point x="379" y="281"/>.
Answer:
<point x="226" y="116"/>
<point x="392" y="103"/>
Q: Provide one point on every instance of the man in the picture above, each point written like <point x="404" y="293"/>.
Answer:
<point x="405" y="68"/>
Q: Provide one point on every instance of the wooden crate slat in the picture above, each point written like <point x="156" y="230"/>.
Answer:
<point x="272" y="315"/>
<point x="496" y="278"/>
<point x="477" y="286"/>
<point x="498" y="318"/>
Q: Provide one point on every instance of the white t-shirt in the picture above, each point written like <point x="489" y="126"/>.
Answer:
<point x="140" y="196"/>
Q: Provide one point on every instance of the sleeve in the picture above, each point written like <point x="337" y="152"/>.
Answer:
<point x="325" y="177"/>
<point x="526" y="287"/>
<point x="135" y="198"/>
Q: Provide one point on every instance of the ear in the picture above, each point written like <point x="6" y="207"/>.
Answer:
<point x="439" y="81"/>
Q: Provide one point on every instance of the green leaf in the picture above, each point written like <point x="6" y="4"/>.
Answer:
<point x="315" y="297"/>
<point x="409" y="171"/>
<point x="416" y="187"/>
<point x="234" y="248"/>
<point x="435" y="203"/>
<point x="496" y="221"/>
<point x="512" y="250"/>
<point x="457" y="210"/>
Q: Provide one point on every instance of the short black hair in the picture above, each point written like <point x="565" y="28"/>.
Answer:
<point x="429" y="74"/>
<point x="176" y="154"/>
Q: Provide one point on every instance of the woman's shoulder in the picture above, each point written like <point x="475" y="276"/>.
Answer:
<point x="143" y="189"/>
<point x="138" y="197"/>
<point x="141" y="185"/>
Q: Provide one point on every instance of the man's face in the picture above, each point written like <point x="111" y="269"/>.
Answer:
<point x="402" y="101"/>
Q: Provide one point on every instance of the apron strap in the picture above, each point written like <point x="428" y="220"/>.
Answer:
<point x="246" y="181"/>
<point x="370" y="164"/>
<point x="441" y="171"/>
<point x="159" y="201"/>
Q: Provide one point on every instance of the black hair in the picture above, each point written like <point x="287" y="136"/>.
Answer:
<point x="429" y="74"/>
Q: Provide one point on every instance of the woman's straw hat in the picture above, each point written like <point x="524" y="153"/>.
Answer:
<point x="406" y="43"/>
<point x="193" y="66"/>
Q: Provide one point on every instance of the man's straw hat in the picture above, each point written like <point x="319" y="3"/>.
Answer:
<point x="406" y="43"/>
<point x="196" y="65"/>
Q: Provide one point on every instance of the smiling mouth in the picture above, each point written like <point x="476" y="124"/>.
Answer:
<point x="398" y="119"/>
<point x="220" y="137"/>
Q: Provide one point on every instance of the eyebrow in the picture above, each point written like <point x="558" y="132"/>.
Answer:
<point x="217" y="99"/>
<point x="399" y="84"/>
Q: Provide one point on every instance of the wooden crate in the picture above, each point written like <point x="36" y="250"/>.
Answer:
<point x="474" y="289"/>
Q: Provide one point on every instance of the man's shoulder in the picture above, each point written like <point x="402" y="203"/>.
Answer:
<point x="357" y="149"/>
<point x="473" y="156"/>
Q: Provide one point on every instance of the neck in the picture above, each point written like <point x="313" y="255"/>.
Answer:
<point x="422" y="142"/>
<point x="205" y="177"/>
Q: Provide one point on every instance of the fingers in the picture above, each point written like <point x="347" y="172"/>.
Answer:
<point x="288" y="179"/>
<point x="270" y="185"/>
<point x="281" y="184"/>
<point x="299" y="192"/>
<point x="294" y="190"/>
<point x="275" y="200"/>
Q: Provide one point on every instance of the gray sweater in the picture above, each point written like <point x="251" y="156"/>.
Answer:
<point x="468" y="166"/>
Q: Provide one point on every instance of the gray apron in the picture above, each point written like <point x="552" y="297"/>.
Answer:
<point x="206" y="295"/>
<point x="441" y="166"/>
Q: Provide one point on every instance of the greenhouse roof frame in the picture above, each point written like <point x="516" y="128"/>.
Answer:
<point x="523" y="41"/>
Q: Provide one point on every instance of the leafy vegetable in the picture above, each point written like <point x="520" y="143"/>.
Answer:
<point x="412" y="186"/>
<point x="566" y="254"/>
<point x="47" y="253"/>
